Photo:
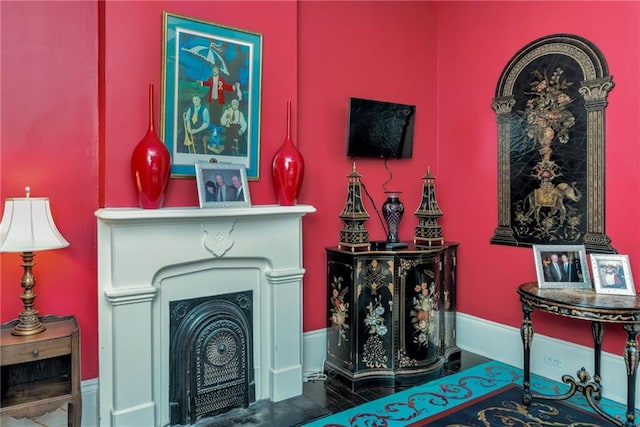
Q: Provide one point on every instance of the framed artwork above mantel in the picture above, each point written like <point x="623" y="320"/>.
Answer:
<point x="211" y="94"/>
<point x="550" y="104"/>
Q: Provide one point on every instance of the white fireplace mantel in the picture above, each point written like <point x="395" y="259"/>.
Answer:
<point x="148" y="258"/>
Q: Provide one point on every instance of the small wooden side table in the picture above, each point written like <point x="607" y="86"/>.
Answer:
<point x="600" y="309"/>
<point x="41" y="372"/>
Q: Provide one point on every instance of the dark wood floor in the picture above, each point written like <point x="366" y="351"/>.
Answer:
<point x="320" y="398"/>
<point x="336" y="395"/>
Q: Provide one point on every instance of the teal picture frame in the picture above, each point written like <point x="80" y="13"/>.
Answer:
<point x="210" y="115"/>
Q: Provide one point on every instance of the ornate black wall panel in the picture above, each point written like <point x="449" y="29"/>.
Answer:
<point x="550" y="103"/>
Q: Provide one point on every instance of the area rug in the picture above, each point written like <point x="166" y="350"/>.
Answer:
<point x="434" y="402"/>
<point x="505" y="408"/>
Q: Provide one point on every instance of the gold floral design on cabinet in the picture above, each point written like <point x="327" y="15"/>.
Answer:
<point x="374" y="354"/>
<point x="423" y="314"/>
<point x="340" y="309"/>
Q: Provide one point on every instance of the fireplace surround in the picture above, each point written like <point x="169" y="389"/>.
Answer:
<point x="150" y="258"/>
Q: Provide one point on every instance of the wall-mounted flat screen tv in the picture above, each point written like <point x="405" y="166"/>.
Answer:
<point x="380" y="129"/>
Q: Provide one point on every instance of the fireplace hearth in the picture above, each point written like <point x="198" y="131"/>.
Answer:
<point x="152" y="260"/>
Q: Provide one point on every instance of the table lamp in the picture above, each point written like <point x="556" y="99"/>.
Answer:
<point x="27" y="226"/>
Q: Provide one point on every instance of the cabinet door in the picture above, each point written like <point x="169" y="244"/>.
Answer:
<point x="374" y="315"/>
<point x="340" y="331"/>
<point x="449" y="298"/>
<point x="421" y="319"/>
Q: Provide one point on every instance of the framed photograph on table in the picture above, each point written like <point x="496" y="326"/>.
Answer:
<point x="222" y="185"/>
<point x="612" y="274"/>
<point x="211" y="85"/>
<point x="561" y="266"/>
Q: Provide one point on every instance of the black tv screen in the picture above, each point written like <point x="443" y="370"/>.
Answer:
<point x="380" y="129"/>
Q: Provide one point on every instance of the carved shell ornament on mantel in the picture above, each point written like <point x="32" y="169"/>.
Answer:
<point x="219" y="243"/>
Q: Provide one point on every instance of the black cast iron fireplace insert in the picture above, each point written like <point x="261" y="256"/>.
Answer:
<point x="211" y="356"/>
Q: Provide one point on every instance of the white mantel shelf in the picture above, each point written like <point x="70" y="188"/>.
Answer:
<point x="148" y="258"/>
<point x="111" y="214"/>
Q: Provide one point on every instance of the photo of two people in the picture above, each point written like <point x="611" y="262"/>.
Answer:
<point x="561" y="266"/>
<point x="222" y="185"/>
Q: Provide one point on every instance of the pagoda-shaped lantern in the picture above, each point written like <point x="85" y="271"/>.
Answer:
<point x="353" y="235"/>
<point x="428" y="231"/>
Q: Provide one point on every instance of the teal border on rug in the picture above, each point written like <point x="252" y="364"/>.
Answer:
<point x="407" y="406"/>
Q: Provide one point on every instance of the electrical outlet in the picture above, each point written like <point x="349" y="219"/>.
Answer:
<point x="552" y="360"/>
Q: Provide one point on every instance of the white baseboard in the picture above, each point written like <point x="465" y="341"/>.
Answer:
<point x="550" y="358"/>
<point x="89" y="389"/>
<point x="314" y="345"/>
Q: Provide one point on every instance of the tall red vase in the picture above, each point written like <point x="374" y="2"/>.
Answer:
<point x="288" y="169"/>
<point x="150" y="166"/>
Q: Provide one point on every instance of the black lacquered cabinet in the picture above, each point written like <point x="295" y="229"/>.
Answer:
<point x="391" y="314"/>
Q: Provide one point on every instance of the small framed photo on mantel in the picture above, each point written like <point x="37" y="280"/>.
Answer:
<point x="222" y="185"/>
<point x="612" y="274"/>
<point x="561" y="266"/>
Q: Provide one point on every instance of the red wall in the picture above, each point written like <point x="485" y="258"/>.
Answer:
<point x="378" y="50"/>
<point x="48" y="140"/>
<point x="444" y="57"/>
<point x="472" y="53"/>
<point x="133" y="58"/>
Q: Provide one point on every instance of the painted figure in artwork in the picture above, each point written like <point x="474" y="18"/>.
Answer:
<point x="196" y="126"/>
<point x="217" y="87"/>
<point x="236" y="126"/>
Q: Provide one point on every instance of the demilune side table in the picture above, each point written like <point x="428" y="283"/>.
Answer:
<point x="584" y="304"/>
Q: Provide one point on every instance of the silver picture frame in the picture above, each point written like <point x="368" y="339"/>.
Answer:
<point x="562" y="266"/>
<point x="612" y="274"/>
<point x="222" y="185"/>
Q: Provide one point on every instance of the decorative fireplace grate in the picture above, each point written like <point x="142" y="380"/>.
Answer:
<point x="211" y="357"/>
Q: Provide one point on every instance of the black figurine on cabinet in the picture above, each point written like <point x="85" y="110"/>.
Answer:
<point x="428" y="231"/>
<point x="354" y="235"/>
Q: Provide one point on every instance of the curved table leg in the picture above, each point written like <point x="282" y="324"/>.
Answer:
<point x="631" y="362"/>
<point x="597" y="330"/>
<point x="526" y="332"/>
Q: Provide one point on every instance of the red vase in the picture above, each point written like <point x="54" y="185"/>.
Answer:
<point x="288" y="169"/>
<point x="150" y="166"/>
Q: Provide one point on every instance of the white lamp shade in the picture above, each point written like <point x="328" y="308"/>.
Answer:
<point x="27" y="226"/>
